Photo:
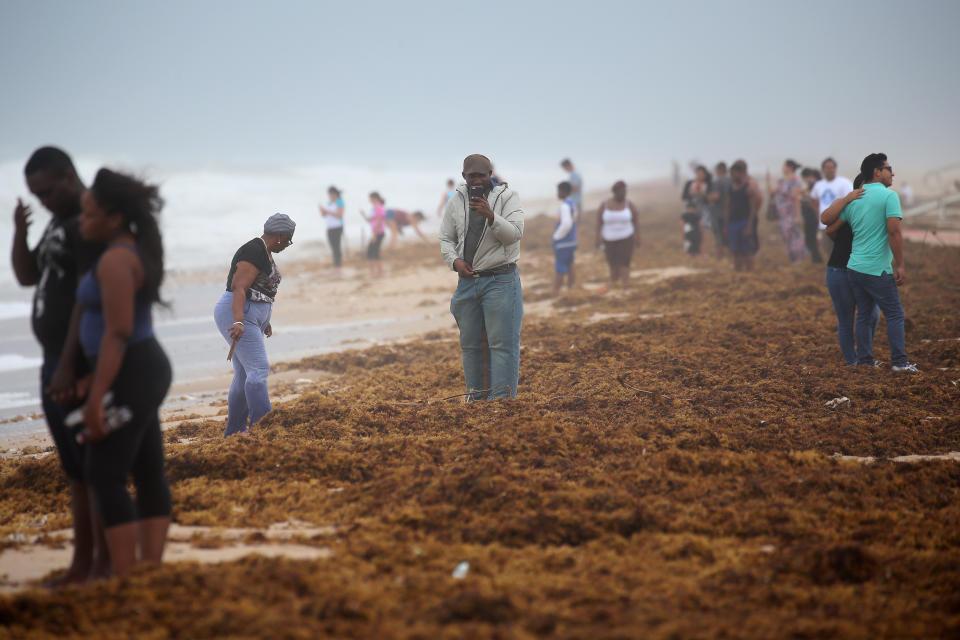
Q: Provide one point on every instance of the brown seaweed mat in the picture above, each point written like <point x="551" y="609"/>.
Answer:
<point x="662" y="476"/>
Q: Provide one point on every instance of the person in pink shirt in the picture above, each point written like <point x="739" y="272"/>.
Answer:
<point x="376" y="217"/>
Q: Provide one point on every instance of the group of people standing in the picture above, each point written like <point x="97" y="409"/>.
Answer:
<point x="98" y="270"/>
<point x="727" y="205"/>
<point x="378" y="216"/>
<point x="617" y="229"/>
<point x="96" y="273"/>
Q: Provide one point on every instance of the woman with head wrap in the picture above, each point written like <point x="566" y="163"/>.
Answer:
<point x="243" y="317"/>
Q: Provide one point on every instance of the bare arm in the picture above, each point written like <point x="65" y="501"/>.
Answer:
<point x="635" y="218"/>
<point x="24" y="264"/>
<point x="63" y="383"/>
<point x="831" y="231"/>
<point x="600" y="224"/>
<point x="797" y="201"/>
<point x="416" y="228"/>
<point x="831" y="213"/>
<point x="243" y="277"/>
<point x="753" y="193"/>
<point x="119" y="274"/>
<point x="895" y="237"/>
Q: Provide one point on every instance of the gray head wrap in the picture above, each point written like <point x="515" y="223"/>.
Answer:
<point x="280" y="224"/>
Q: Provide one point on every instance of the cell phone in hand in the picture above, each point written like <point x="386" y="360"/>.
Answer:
<point x="476" y="191"/>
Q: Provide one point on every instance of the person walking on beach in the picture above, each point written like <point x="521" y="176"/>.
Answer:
<point x="876" y="267"/>
<point x="116" y="335"/>
<point x="243" y="317"/>
<point x="450" y="191"/>
<point x="618" y="232"/>
<point x="740" y="218"/>
<point x="696" y="210"/>
<point x="397" y="220"/>
<point x="564" y="239"/>
<point x="480" y="239"/>
<point x="838" y="283"/>
<point x="829" y="188"/>
<point x="333" y="214"/>
<point x="576" y="186"/>
<point x="377" y="219"/>
<point x="787" y="196"/>
<point x="719" y="193"/>
<point x="811" y="215"/>
<point x="54" y="268"/>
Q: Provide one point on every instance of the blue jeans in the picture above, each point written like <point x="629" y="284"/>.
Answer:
<point x="493" y="305"/>
<point x="248" y="400"/>
<point x="845" y="306"/>
<point x="882" y="291"/>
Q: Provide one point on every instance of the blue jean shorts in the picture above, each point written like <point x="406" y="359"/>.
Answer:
<point x="739" y="243"/>
<point x="562" y="259"/>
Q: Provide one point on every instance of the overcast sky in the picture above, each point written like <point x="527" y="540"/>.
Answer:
<point x="272" y="84"/>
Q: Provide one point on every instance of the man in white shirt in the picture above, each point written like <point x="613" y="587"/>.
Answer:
<point x="828" y="189"/>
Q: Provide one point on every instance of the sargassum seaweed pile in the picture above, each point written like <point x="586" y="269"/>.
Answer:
<point x="667" y="471"/>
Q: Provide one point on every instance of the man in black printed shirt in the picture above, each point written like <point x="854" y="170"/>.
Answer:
<point x="54" y="267"/>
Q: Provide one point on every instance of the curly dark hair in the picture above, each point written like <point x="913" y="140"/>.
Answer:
<point x="139" y="203"/>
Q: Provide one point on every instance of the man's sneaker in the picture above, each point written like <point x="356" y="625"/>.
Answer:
<point x="909" y="368"/>
<point x="875" y="364"/>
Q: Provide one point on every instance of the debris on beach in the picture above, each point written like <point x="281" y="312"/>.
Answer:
<point x="838" y="402"/>
<point x="670" y="477"/>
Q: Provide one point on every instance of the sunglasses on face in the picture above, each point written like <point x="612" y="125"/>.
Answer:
<point x="887" y="167"/>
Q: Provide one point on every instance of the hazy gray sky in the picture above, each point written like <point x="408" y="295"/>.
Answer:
<point x="227" y="83"/>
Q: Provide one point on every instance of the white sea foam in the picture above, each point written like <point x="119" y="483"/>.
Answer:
<point x="16" y="399"/>
<point x="10" y="310"/>
<point x="210" y="212"/>
<point x="16" y="362"/>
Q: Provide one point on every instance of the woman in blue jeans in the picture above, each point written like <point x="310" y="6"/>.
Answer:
<point x="243" y="317"/>
<point x="844" y="303"/>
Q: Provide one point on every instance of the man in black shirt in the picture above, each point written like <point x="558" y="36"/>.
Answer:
<point x="54" y="267"/>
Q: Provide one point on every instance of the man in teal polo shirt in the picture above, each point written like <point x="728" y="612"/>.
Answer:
<point x="876" y="268"/>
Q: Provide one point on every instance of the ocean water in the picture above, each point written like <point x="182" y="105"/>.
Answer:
<point x="208" y="214"/>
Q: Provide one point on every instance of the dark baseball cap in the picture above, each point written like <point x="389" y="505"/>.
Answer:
<point x="476" y="163"/>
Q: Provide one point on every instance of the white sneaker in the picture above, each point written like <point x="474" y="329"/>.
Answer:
<point x="909" y="368"/>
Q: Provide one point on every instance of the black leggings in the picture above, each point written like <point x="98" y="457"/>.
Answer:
<point x="333" y="237"/>
<point x="373" y="249"/>
<point x="135" y="449"/>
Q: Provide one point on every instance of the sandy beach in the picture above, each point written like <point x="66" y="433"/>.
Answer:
<point x="672" y="462"/>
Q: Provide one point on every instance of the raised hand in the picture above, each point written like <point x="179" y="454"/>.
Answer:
<point x="22" y="217"/>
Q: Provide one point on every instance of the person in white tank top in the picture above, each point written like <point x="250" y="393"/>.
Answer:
<point x="617" y="232"/>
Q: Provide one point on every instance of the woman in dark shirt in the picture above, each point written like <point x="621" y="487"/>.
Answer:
<point x="243" y="317"/>
<point x="844" y="304"/>
<point x="129" y="366"/>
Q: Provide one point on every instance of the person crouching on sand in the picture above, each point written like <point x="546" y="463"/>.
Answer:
<point x="480" y="240"/>
<point x="243" y="317"/>
<point x="398" y="219"/>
